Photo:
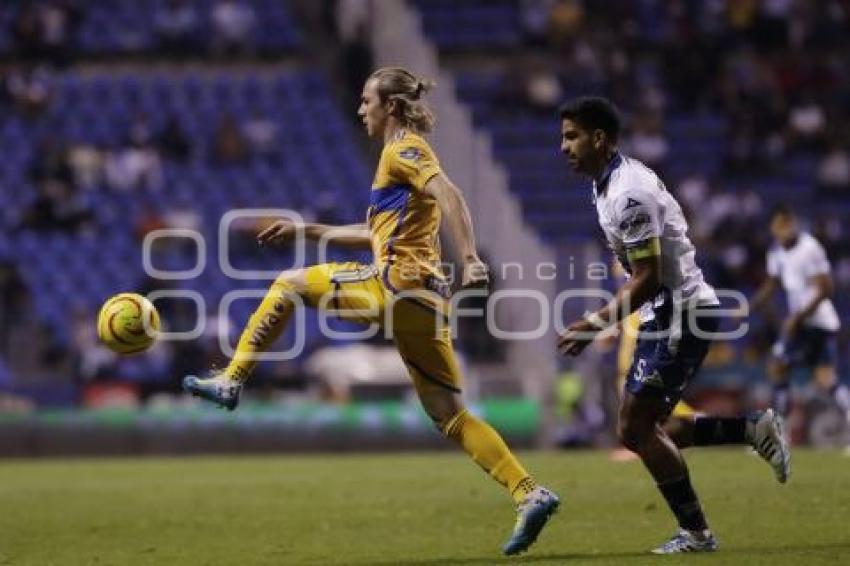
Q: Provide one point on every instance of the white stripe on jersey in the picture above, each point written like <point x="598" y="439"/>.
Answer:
<point x="633" y="206"/>
<point x="795" y="267"/>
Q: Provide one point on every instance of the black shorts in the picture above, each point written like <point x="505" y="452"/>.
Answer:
<point x="810" y="347"/>
<point x="669" y="353"/>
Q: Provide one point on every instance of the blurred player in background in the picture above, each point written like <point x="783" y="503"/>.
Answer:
<point x="646" y="229"/>
<point x="405" y="287"/>
<point x="809" y="334"/>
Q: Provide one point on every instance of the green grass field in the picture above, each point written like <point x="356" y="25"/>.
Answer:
<point x="430" y="508"/>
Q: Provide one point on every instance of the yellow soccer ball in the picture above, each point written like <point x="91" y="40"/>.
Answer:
<point x="128" y="323"/>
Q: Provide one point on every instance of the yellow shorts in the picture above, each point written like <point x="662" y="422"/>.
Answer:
<point x="416" y="320"/>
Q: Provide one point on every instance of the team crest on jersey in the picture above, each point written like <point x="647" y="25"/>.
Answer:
<point x="631" y="203"/>
<point x="634" y="224"/>
<point x="410" y="153"/>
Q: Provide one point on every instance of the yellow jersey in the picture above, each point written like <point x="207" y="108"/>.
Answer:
<point x="403" y="220"/>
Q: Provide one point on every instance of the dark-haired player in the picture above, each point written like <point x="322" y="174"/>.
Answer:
<point x="808" y="338"/>
<point x="645" y="228"/>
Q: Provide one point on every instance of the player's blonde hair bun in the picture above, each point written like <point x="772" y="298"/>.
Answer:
<point x="399" y="84"/>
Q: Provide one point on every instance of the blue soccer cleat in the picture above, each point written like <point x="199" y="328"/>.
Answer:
<point x="218" y="388"/>
<point x="532" y="515"/>
<point x="686" y="541"/>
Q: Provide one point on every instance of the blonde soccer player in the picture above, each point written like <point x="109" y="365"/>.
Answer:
<point x="404" y="288"/>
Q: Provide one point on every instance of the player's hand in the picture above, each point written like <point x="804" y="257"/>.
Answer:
<point x="576" y="338"/>
<point x="280" y="232"/>
<point x="476" y="275"/>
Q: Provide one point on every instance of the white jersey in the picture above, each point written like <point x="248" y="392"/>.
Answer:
<point x="634" y="206"/>
<point x="796" y="267"/>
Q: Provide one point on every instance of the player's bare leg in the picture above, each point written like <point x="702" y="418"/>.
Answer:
<point x="223" y="387"/>
<point x="535" y="504"/>
<point x="777" y="371"/>
<point x="641" y="430"/>
<point x="826" y="378"/>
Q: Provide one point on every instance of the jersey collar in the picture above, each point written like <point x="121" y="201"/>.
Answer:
<point x="601" y="184"/>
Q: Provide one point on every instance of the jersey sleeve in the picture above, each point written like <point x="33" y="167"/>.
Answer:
<point x="412" y="161"/>
<point x="637" y="221"/>
<point x="816" y="261"/>
<point x="772" y="264"/>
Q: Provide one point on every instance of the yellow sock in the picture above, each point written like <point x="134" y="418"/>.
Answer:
<point x="488" y="450"/>
<point x="263" y="328"/>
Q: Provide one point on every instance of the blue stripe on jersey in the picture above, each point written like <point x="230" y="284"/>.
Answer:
<point x="390" y="259"/>
<point x="390" y="198"/>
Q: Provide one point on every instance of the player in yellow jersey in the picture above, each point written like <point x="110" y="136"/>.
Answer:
<point x="404" y="290"/>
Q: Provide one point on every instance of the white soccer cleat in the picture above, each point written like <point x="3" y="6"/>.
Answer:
<point x="686" y="541"/>
<point x="771" y="443"/>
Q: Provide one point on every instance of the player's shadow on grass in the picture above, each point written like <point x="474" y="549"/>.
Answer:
<point x="561" y="558"/>
<point x="557" y="558"/>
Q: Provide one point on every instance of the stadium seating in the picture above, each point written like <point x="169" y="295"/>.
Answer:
<point x="316" y="153"/>
<point x="474" y="35"/>
<point x="475" y="24"/>
<point x="122" y="28"/>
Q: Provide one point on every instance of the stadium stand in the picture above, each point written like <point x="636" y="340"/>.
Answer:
<point x="733" y="127"/>
<point x="145" y="147"/>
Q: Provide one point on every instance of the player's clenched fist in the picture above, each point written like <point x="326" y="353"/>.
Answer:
<point x="475" y="274"/>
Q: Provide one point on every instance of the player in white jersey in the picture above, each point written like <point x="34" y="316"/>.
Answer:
<point x="646" y="229"/>
<point x="808" y="337"/>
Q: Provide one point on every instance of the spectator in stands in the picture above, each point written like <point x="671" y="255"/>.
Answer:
<point x="183" y="215"/>
<point x="233" y="26"/>
<point x="542" y="88"/>
<point x="260" y="132"/>
<point x="807" y="123"/>
<point x="533" y="85"/>
<point x="58" y="208"/>
<point x="534" y="18"/>
<point x="30" y="89"/>
<point x="229" y="146"/>
<point x="26" y="32"/>
<point x="51" y="162"/>
<point x="176" y="26"/>
<point x="565" y="21"/>
<point x="833" y="172"/>
<point x="137" y="163"/>
<point x="647" y="141"/>
<point x="172" y="142"/>
<point x="87" y="163"/>
<point x="59" y="22"/>
<point x="46" y="30"/>
<point x="14" y="302"/>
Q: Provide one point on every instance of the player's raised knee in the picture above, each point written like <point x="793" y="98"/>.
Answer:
<point x="292" y="279"/>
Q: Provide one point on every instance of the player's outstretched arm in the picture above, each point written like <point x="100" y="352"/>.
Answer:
<point x="763" y="294"/>
<point x="457" y="217"/>
<point x="285" y="231"/>
<point x="825" y="289"/>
